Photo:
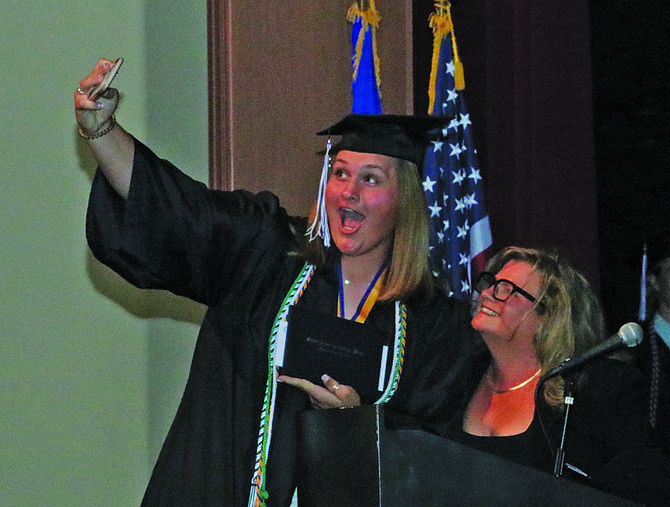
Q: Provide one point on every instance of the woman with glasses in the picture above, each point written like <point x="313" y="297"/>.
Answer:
<point x="533" y="312"/>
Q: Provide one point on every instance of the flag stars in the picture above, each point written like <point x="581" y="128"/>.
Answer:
<point x="470" y="201"/>
<point x="428" y="184"/>
<point x="463" y="231"/>
<point x="455" y="150"/>
<point x="435" y="210"/>
<point x="452" y="95"/>
<point x="475" y="175"/>
<point x="456" y="188"/>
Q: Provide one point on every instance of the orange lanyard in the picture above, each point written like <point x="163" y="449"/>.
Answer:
<point x="367" y="301"/>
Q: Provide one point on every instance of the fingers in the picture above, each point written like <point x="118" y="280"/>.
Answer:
<point x="331" y="395"/>
<point x="302" y="384"/>
<point x="319" y="397"/>
<point x="331" y="384"/>
<point x="108" y="100"/>
<point x="92" y="115"/>
<point x="346" y="395"/>
<point x="97" y="75"/>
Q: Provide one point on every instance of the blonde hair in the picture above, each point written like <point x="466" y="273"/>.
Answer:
<point x="408" y="271"/>
<point x="573" y="318"/>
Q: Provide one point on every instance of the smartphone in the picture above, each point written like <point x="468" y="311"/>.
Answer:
<point x="102" y="87"/>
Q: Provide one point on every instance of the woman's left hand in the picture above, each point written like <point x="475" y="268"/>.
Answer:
<point x="331" y="395"/>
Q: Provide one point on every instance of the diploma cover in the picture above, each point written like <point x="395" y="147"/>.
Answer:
<point x="352" y="353"/>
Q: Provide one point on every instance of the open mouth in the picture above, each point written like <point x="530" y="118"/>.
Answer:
<point x="350" y="219"/>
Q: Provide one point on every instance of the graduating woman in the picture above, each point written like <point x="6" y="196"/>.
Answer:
<point x="364" y="259"/>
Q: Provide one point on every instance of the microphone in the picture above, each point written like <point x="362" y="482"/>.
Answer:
<point x="629" y="335"/>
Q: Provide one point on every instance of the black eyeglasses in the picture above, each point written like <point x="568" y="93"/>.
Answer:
<point x="502" y="289"/>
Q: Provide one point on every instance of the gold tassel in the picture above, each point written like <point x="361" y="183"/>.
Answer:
<point x="459" y="74"/>
<point x="370" y="17"/>
<point x="443" y="25"/>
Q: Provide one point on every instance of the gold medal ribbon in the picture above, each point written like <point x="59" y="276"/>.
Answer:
<point x="367" y="301"/>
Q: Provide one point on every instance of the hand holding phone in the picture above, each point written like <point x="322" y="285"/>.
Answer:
<point x="102" y="87"/>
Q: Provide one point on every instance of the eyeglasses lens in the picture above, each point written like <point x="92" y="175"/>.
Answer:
<point x="486" y="280"/>
<point x="501" y="288"/>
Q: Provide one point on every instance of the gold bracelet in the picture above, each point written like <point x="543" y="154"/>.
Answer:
<point x="101" y="133"/>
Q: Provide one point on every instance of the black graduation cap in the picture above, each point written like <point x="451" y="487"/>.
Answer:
<point x="400" y="136"/>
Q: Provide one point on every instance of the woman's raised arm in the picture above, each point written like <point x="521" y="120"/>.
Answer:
<point x="112" y="147"/>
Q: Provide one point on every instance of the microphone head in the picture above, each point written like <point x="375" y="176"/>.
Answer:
<point x="631" y="334"/>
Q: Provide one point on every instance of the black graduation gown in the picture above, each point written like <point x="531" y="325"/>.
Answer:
<point x="234" y="252"/>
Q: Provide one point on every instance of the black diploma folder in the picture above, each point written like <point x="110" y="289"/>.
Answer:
<point x="352" y="353"/>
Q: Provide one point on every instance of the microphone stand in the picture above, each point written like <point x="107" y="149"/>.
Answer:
<point x="559" y="464"/>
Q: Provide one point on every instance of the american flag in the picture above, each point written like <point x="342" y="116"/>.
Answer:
<point x="460" y="235"/>
<point x="365" y="82"/>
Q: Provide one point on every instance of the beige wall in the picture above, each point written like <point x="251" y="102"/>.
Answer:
<point x="80" y="360"/>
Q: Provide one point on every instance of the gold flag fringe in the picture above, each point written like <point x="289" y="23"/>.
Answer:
<point x="370" y="17"/>
<point x="442" y="25"/>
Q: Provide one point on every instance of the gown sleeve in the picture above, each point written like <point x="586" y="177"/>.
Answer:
<point x="174" y="233"/>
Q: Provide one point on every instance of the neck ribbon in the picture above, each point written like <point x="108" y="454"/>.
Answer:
<point x="258" y="495"/>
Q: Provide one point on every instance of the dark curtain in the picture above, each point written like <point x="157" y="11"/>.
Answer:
<point x="551" y="156"/>
<point x="631" y="67"/>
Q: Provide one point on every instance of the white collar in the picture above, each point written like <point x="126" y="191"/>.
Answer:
<point x="662" y="328"/>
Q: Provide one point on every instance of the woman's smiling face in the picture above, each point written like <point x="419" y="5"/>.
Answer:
<point x="361" y="201"/>
<point x="513" y="320"/>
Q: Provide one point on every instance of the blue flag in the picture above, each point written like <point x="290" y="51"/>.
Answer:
<point x="364" y="60"/>
<point x="460" y="235"/>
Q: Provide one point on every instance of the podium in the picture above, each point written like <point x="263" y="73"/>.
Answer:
<point x="347" y="458"/>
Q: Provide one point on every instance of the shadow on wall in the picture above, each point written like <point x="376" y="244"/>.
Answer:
<point x="142" y="303"/>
